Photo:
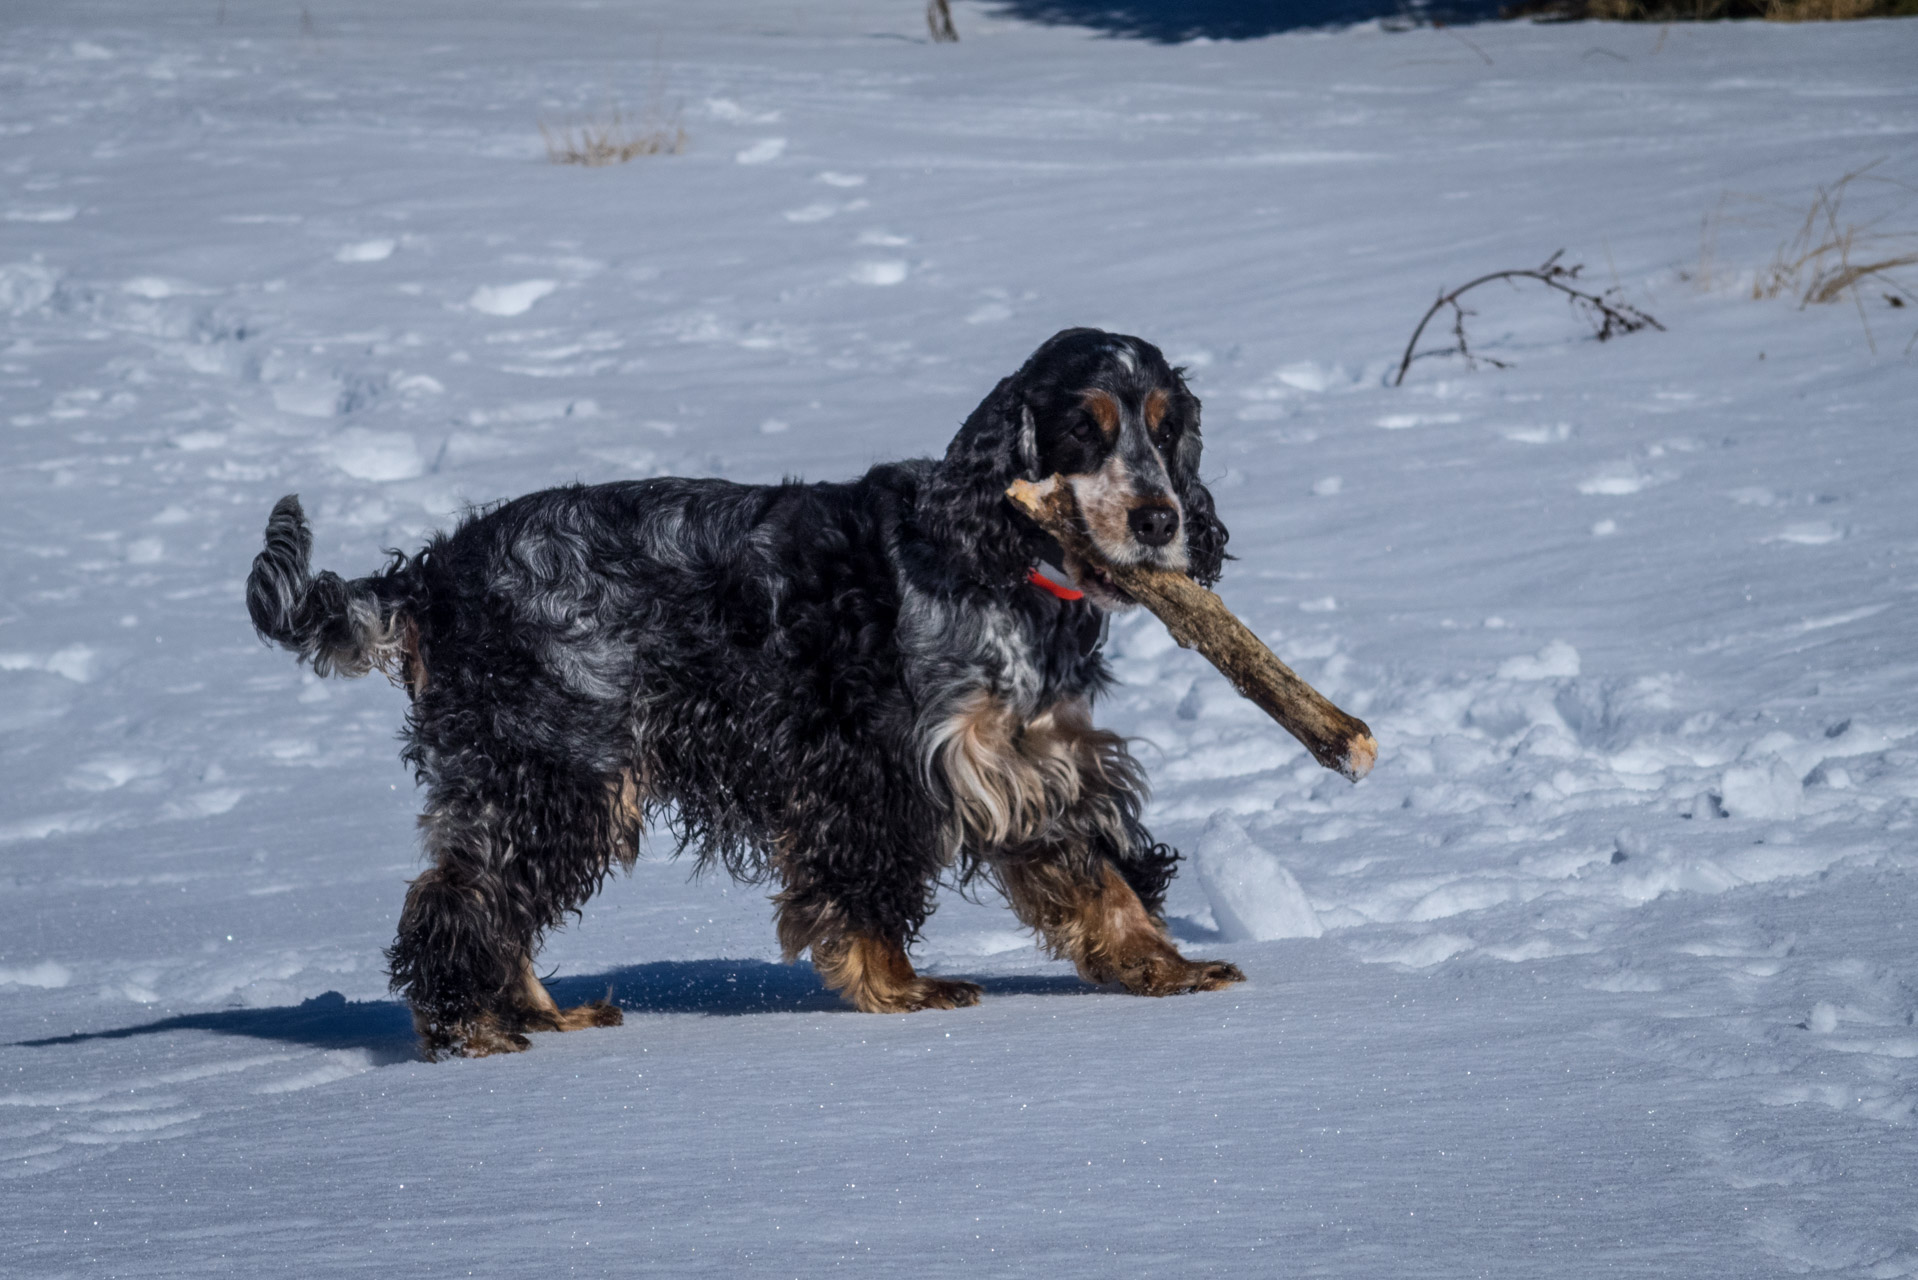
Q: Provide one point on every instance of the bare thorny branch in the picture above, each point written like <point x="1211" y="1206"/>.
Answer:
<point x="1609" y="315"/>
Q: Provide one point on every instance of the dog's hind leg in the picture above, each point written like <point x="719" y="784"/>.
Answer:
<point x="509" y="860"/>
<point x="1087" y="912"/>
<point x="457" y="963"/>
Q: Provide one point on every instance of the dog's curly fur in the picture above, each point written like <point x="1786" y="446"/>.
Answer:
<point x="855" y="690"/>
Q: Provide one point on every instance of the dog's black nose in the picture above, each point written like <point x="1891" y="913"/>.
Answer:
<point x="1153" y="526"/>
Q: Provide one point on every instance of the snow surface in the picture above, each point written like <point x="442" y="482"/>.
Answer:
<point x="1615" y="970"/>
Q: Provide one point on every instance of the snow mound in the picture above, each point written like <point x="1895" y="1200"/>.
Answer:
<point x="47" y="974"/>
<point x="766" y="149"/>
<point x="1254" y="898"/>
<point x="25" y="286"/>
<point x="1767" y="790"/>
<point x="365" y="251"/>
<point x="510" y="299"/>
<point x="376" y="455"/>
<point x="885" y="272"/>
<point x="1556" y="660"/>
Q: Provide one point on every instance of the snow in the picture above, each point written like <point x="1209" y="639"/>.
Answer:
<point x="1252" y="896"/>
<point x="1610" y="966"/>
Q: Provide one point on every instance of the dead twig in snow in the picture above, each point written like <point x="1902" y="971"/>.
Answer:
<point x="939" y="22"/>
<point x="1608" y="314"/>
<point x="1462" y="40"/>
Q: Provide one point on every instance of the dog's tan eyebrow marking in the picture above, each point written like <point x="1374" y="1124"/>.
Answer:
<point x="1156" y="402"/>
<point x="1103" y="407"/>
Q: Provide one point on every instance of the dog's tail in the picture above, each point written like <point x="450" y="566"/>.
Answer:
<point x="342" y="628"/>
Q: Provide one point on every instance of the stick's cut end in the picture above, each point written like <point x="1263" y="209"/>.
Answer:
<point x="1361" y="753"/>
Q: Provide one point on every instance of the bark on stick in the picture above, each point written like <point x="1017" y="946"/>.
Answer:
<point x="1198" y="619"/>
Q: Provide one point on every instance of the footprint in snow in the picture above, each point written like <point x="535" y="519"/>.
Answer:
<point x="510" y="299"/>
<point x="56" y="213"/>
<point x="1557" y="433"/>
<point x="1621" y="479"/>
<point x="761" y="152"/>
<point x="731" y="112"/>
<point x="1811" y="533"/>
<point x="887" y="272"/>
<point x="365" y="251"/>
<point x="821" y="210"/>
<point x="1406" y="421"/>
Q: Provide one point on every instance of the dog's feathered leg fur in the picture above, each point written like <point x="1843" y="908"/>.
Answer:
<point x="1086" y="910"/>
<point x="515" y="845"/>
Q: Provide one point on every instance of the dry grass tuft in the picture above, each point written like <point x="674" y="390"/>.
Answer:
<point x="1832" y="257"/>
<point x="1837" y="10"/>
<point x="610" y="140"/>
<point x="607" y="138"/>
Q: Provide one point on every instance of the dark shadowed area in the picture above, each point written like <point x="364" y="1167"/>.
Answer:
<point x="385" y="1027"/>
<point x="327" y="1021"/>
<point x="1168" y="21"/>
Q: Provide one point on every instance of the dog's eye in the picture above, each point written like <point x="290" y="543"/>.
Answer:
<point x="1086" y="430"/>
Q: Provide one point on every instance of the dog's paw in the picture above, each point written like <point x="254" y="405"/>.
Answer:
<point x="1214" y="975"/>
<point x="600" y="1013"/>
<point x="486" y="1043"/>
<point x="476" y="1040"/>
<point x="1173" y="974"/>
<point x="946" y="993"/>
<point x="479" y="1037"/>
<point x="922" y="993"/>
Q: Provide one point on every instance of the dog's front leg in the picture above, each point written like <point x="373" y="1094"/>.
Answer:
<point x="866" y="965"/>
<point x="1085" y="911"/>
<point x="874" y="975"/>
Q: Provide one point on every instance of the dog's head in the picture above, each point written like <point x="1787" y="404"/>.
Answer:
<point x="1108" y="415"/>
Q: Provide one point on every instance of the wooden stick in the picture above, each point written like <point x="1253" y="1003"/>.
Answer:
<point x="1198" y="619"/>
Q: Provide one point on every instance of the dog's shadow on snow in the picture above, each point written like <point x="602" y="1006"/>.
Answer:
<point x="384" y="1028"/>
<point x="729" y="987"/>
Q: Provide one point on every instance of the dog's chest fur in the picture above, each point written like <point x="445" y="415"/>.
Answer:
<point x="1005" y="690"/>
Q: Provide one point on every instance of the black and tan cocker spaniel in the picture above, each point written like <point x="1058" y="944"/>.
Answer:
<point x="855" y="690"/>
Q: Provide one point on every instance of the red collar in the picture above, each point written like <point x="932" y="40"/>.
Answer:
<point x="1044" y="583"/>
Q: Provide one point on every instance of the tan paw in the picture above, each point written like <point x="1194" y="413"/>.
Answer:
<point x="600" y="1013"/>
<point x="1214" y="975"/>
<point x="945" y="993"/>
<point x="489" y="1041"/>
<point x="874" y="975"/>
<point x="1172" y="974"/>
<point x="919" y="993"/>
<point x="481" y="1038"/>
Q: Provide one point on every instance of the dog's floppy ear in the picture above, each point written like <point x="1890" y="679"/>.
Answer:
<point x="1205" y="537"/>
<point x="964" y="503"/>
